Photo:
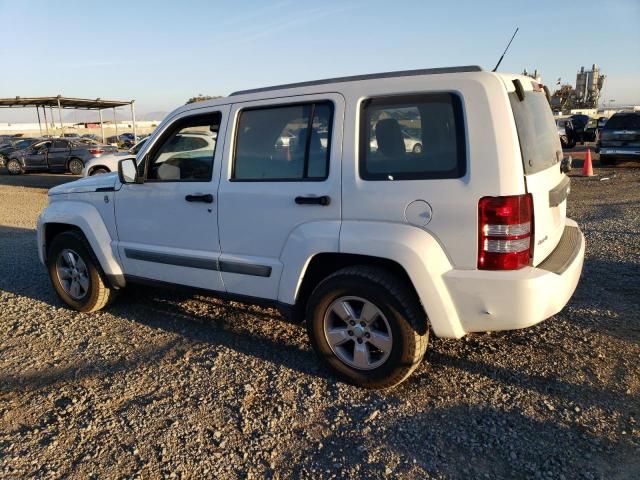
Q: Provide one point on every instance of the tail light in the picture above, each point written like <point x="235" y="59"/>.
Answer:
<point x="96" y="151"/>
<point x="505" y="232"/>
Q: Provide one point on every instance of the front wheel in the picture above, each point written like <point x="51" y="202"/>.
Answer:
<point x="368" y="326"/>
<point x="14" y="167"/>
<point x="75" y="166"/>
<point x="75" y="273"/>
<point x="417" y="148"/>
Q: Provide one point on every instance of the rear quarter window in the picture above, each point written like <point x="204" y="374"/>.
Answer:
<point x="412" y="137"/>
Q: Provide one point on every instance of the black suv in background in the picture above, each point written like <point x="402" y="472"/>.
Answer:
<point x="620" y="138"/>
<point x="57" y="154"/>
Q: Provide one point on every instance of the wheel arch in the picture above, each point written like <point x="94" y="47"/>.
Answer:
<point x="84" y="218"/>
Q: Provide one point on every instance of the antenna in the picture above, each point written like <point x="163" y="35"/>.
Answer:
<point x="505" y="50"/>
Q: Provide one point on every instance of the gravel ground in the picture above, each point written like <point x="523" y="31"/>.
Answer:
<point x="169" y="385"/>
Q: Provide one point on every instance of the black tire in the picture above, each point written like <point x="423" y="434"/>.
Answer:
<point x="396" y="300"/>
<point x="607" y="160"/>
<point x="98" y="294"/>
<point x="417" y="148"/>
<point x="75" y="166"/>
<point x="14" y="167"/>
<point x="99" y="171"/>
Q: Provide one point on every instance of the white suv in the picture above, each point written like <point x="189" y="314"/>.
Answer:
<point x="371" y="243"/>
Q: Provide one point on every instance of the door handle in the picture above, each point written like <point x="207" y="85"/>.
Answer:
<point x="324" y="200"/>
<point x="204" y="198"/>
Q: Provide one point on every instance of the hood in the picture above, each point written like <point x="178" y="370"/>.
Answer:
<point x="94" y="183"/>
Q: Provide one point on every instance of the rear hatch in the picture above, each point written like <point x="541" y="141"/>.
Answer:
<point x="541" y="156"/>
<point x="621" y="130"/>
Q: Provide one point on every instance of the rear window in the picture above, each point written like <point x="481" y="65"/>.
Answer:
<point x="626" y="122"/>
<point x="537" y="131"/>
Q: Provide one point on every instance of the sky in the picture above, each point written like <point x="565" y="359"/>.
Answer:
<point x="160" y="53"/>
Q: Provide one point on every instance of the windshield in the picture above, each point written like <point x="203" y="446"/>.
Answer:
<point x="537" y="131"/>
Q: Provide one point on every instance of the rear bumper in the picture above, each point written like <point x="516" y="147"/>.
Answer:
<point x="493" y="300"/>
<point x="630" y="153"/>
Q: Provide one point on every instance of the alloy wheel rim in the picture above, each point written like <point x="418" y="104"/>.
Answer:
<point x="73" y="274"/>
<point x="75" y="167"/>
<point x="358" y="333"/>
<point x="13" y="166"/>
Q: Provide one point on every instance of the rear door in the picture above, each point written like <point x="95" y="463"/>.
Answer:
<point x="282" y="170"/>
<point x="541" y="155"/>
<point x="58" y="154"/>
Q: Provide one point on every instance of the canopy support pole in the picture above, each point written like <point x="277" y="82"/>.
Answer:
<point x="101" y="125"/>
<point x="115" y="121"/>
<point x="46" y="121"/>
<point x="39" y="124"/>
<point x="133" y="121"/>
<point x="60" y="117"/>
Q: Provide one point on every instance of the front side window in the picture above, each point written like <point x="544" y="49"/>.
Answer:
<point x="186" y="152"/>
<point x="284" y="143"/>
<point x="412" y="137"/>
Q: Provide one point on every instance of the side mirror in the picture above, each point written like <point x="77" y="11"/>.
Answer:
<point x="128" y="171"/>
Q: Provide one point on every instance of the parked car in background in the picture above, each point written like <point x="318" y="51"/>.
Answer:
<point x="56" y="155"/>
<point x="13" y="145"/>
<point x="7" y="138"/>
<point x="70" y="135"/>
<point x="566" y="132"/>
<point x="92" y="136"/>
<point x="411" y="144"/>
<point x="123" y="140"/>
<point x="184" y="142"/>
<point x="602" y="121"/>
<point x="109" y="163"/>
<point x="620" y="138"/>
<point x="580" y="123"/>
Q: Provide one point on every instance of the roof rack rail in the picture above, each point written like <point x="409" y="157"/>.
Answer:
<point x="372" y="76"/>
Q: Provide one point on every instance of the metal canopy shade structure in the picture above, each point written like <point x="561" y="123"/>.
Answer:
<point x="70" y="103"/>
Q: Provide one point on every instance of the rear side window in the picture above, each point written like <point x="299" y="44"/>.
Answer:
<point x="624" y="121"/>
<point x="60" y="144"/>
<point x="537" y="131"/>
<point x="284" y="143"/>
<point x="412" y="137"/>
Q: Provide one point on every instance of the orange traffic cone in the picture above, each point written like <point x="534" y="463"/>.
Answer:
<point x="587" y="167"/>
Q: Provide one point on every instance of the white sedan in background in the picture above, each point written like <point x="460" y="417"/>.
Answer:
<point x="184" y="142"/>
<point x="109" y="163"/>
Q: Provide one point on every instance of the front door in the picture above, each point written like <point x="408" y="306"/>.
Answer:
<point x="168" y="225"/>
<point x="281" y="176"/>
<point x="36" y="157"/>
<point x="58" y="154"/>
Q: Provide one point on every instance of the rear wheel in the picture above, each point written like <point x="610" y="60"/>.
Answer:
<point x="75" y="166"/>
<point x="368" y="326"/>
<point x="75" y="273"/>
<point x="14" y="167"/>
<point x="417" y="148"/>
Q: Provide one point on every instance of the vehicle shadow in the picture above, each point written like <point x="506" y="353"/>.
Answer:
<point x="464" y="441"/>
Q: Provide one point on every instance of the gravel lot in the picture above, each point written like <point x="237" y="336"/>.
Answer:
<point x="169" y="385"/>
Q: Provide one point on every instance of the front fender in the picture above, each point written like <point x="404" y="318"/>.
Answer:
<point x="422" y="257"/>
<point x="88" y="219"/>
